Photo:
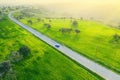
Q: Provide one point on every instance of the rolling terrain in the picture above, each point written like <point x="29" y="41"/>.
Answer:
<point x="44" y="62"/>
<point x="95" y="40"/>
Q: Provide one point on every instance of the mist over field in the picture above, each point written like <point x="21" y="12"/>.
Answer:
<point x="106" y="11"/>
<point x="59" y="39"/>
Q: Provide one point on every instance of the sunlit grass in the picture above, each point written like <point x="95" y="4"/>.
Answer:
<point x="45" y="63"/>
<point x="94" y="40"/>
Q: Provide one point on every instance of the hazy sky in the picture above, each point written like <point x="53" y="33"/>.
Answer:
<point x="108" y="9"/>
<point x="57" y="1"/>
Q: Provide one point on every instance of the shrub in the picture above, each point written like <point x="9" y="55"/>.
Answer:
<point x="15" y="56"/>
<point x="77" y="31"/>
<point x="38" y="19"/>
<point x="4" y="67"/>
<point x="48" y="26"/>
<point x="30" y="22"/>
<point x="116" y="37"/>
<point x="24" y="50"/>
<point x="74" y="23"/>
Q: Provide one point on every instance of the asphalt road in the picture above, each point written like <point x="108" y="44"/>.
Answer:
<point x="91" y="65"/>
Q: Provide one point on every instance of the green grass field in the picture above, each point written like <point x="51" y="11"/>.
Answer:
<point x="45" y="63"/>
<point x="94" y="41"/>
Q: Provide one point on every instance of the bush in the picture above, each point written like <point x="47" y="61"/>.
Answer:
<point x="77" y="31"/>
<point x="4" y="67"/>
<point x="48" y="26"/>
<point x="15" y="56"/>
<point x="116" y="37"/>
<point x="30" y="22"/>
<point x="24" y="50"/>
<point x="74" y="23"/>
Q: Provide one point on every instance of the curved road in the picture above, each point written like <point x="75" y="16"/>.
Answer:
<point x="91" y="65"/>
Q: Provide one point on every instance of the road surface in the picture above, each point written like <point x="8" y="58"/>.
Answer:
<point x="91" y="65"/>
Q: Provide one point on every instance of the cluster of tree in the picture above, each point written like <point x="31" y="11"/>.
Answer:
<point x="26" y="14"/>
<point x="40" y="20"/>
<point x="63" y="17"/>
<point x="23" y="14"/>
<point x="48" y="26"/>
<point x="118" y="26"/>
<point x="16" y="56"/>
<point x="4" y="67"/>
<point x="2" y="15"/>
<point x="69" y="30"/>
<point x="19" y="17"/>
<point x="6" y="70"/>
<point x="47" y="18"/>
<point x="64" y="30"/>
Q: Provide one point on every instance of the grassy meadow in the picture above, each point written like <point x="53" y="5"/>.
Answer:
<point x="94" y="41"/>
<point x="45" y="63"/>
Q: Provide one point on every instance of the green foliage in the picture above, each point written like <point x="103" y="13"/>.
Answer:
<point x="38" y="19"/>
<point x="24" y="50"/>
<point x="30" y="22"/>
<point x="15" y="56"/>
<point x="77" y="31"/>
<point x="4" y="67"/>
<point x="65" y="30"/>
<point x="74" y="23"/>
<point x="48" y="26"/>
<point x="116" y="38"/>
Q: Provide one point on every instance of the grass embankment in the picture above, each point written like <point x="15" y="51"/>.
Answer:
<point x="94" y="41"/>
<point x="45" y="63"/>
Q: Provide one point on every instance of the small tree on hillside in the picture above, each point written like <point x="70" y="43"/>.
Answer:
<point x="50" y="20"/>
<point x="24" y="50"/>
<point x="0" y="12"/>
<point x="48" y="26"/>
<point x="81" y="18"/>
<point x="74" y="23"/>
<point x="119" y="26"/>
<point x="116" y="37"/>
<point x="38" y="19"/>
<point x="29" y="22"/>
<point x="4" y="67"/>
<point x="77" y="31"/>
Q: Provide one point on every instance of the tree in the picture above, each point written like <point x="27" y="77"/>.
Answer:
<point x="74" y="23"/>
<point x="38" y="19"/>
<point x="50" y="20"/>
<point x="4" y="67"/>
<point x="29" y="22"/>
<point x="77" y="31"/>
<point x="0" y="12"/>
<point x="15" y="56"/>
<point x="48" y="26"/>
<point x="119" y="26"/>
<point x="64" y="30"/>
<point x="24" y="50"/>
<point x="116" y="37"/>
<point x="81" y="18"/>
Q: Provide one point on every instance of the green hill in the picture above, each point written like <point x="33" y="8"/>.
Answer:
<point x="95" y="41"/>
<point x="45" y="63"/>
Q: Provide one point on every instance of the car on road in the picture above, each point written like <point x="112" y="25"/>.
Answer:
<point x="57" y="45"/>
